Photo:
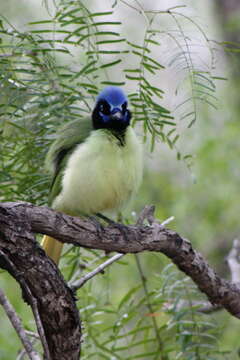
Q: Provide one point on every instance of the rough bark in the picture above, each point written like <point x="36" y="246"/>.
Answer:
<point x="83" y="232"/>
<point x="42" y="283"/>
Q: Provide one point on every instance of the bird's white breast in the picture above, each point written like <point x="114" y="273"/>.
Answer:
<point x="101" y="175"/>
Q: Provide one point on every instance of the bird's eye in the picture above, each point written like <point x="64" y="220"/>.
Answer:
<point x="104" y="107"/>
<point x="124" y="107"/>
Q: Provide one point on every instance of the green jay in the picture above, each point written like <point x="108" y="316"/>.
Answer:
<point x="95" y="162"/>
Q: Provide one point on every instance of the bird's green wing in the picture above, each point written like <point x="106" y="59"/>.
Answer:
<point x="69" y="136"/>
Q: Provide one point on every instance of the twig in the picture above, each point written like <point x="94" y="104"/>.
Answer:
<point x="82" y="266"/>
<point x="233" y="261"/>
<point x="208" y="308"/>
<point x="17" y="324"/>
<point x="31" y="300"/>
<point x="131" y="6"/>
<point x="39" y="325"/>
<point x="35" y="337"/>
<point x="22" y="353"/>
<point x="147" y="213"/>
<point x="168" y="220"/>
<point x="32" y="334"/>
<point x="79" y="283"/>
<point x="167" y="11"/>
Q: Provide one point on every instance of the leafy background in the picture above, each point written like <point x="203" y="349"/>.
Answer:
<point x="54" y="58"/>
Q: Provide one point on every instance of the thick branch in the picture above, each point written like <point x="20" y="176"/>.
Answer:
<point x="83" y="232"/>
<point x="42" y="284"/>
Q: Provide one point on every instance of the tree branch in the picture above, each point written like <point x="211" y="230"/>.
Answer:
<point x="42" y="284"/>
<point x="233" y="259"/>
<point x="99" y="269"/>
<point x="17" y="324"/>
<point x="40" y="329"/>
<point x="146" y="213"/>
<point x="83" y="232"/>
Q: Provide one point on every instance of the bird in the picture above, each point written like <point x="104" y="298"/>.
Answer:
<point x="96" y="163"/>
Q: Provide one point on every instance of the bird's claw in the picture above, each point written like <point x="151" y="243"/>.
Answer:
<point x="99" y="227"/>
<point x="122" y="228"/>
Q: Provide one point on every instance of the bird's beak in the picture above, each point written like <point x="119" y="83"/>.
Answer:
<point x="116" y="115"/>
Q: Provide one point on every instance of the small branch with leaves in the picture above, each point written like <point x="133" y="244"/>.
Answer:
<point x="45" y="290"/>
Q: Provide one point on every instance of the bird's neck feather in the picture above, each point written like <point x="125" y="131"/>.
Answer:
<point x="120" y="136"/>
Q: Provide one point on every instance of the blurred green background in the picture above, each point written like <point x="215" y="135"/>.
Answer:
<point x="200" y="192"/>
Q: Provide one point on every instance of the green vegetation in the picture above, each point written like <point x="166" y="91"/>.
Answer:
<point x="50" y="69"/>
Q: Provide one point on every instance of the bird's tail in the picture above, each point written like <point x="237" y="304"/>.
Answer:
<point x="52" y="247"/>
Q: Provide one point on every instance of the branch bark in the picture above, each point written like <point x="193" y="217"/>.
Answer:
<point x="27" y="262"/>
<point x="42" y="284"/>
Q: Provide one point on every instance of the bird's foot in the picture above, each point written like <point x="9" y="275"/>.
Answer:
<point x="122" y="228"/>
<point x="99" y="227"/>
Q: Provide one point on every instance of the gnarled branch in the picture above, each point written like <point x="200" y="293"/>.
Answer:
<point x="27" y="262"/>
<point x="43" y="286"/>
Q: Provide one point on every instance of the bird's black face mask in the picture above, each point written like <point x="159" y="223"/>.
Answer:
<point x="115" y="118"/>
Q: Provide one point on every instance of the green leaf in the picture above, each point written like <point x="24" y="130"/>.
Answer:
<point x="114" y="83"/>
<point x="110" y="64"/>
<point x="128" y="296"/>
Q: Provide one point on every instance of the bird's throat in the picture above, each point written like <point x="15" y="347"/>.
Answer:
<point x="120" y="136"/>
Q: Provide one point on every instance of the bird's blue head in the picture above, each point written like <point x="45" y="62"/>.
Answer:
<point x="111" y="110"/>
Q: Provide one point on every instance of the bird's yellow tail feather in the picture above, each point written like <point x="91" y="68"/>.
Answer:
<point x="52" y="247"/>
